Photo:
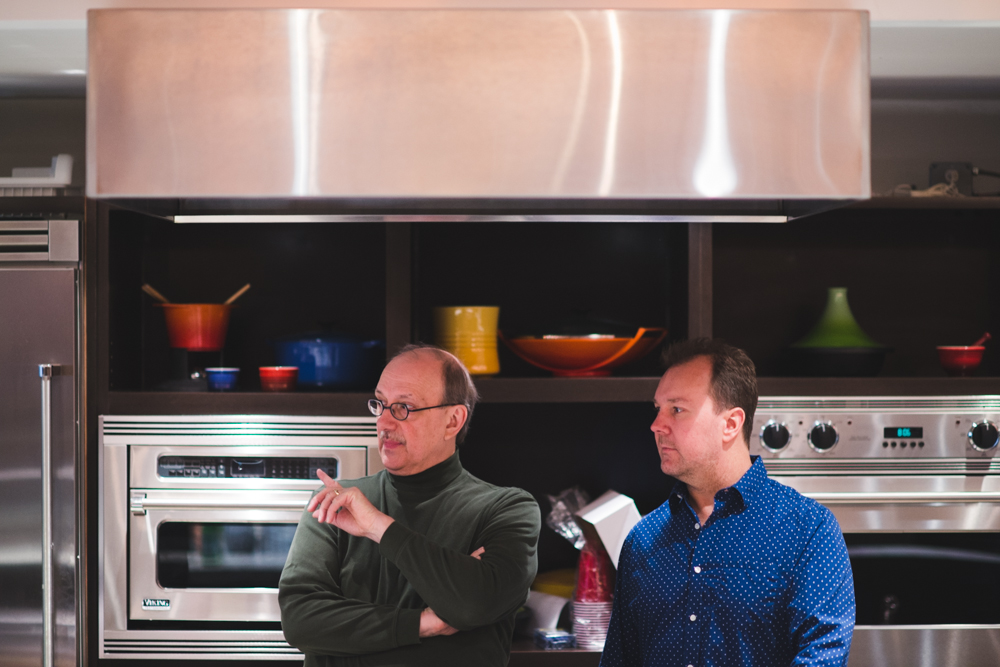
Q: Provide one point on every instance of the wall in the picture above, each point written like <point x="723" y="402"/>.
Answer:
<point x="33" y="131"/>
<point x="907" y="135"/>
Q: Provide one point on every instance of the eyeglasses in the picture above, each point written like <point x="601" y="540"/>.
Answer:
<point x="399" y="410"/>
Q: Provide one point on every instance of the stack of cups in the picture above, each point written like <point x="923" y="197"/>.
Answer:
<point x="470" y="333"/>
<point x="593" y="598"/>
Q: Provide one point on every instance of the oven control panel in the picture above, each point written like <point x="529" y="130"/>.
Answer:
<point x="877" y="427"/>
<point x="237" y="467"/>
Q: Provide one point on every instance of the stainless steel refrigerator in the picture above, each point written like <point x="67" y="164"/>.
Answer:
<point x="39" y="442"/>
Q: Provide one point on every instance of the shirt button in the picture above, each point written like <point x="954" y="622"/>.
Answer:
<point x="693" y="617"/>
<point x="697" y="526"/>
<point x="697" y="569"/>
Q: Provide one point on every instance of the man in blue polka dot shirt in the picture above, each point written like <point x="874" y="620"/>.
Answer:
<point x="735" y="568"/>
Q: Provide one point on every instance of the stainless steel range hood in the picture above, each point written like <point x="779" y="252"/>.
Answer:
<point x="531" y="114"/>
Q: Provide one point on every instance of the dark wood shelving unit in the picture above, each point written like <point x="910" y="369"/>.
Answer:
<point x="523" y="653"/>
<point x="927" y="203"/>
<point x="35" y="207"/>
<point x="878" y="386"/>
<point x="526" y="390"/>
<point x="641" y="389"/>
<point x="546" y="433"/>
<point x="353" y="404"/>
<point x="567" y="390"/>
<point x="409" y="249"/>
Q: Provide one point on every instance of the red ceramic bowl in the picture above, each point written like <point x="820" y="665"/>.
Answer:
<point x="278" y="378"/>
<point x="960" y="359"/>
<point x="198" y="327"/>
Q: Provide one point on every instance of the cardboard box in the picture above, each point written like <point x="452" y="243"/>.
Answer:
<point x="609" y="519"/>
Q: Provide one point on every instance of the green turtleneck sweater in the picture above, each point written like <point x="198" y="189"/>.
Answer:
<point x="346" y="600"/>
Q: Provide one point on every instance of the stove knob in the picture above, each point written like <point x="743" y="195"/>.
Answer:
<point x="774" y="436"/>
<point x="822" y="437"/>
<point x="984" y="436"/>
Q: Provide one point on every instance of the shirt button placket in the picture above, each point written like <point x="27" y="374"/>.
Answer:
<point x="692" y="634"/>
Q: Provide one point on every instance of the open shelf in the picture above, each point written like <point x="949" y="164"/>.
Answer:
<point x="527" y="390"/>
<point x="548" y="276"/>
<point x="641" y="389"/>
<point x="35" y="207"/>
<point x="878" y="386"/>
<point x="927" y="203"/>
<point x="305" y="279"/>
<point x="353" y="404"/>
<point x="567" y="390"/>
<point x="524" y="654"/>
<point x="916" y="279"/>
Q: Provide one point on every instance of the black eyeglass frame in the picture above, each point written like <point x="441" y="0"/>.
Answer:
<point x="377" y="411"/>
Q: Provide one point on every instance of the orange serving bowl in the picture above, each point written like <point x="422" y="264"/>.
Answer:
<point x="583" y="356"/>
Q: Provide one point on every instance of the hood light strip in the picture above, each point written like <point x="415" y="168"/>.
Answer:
<point x="476" y="218"/>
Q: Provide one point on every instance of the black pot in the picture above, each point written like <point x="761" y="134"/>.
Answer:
<point x="836" y="361"/>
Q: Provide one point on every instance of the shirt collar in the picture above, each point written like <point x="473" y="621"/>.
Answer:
<point x="752" y="481"/>
<point x="747" y="489"/>
<point x="429" y="481"/>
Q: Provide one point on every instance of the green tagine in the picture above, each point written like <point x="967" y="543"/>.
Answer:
<point x="837" y="346"/>
<point x="837" y="327"/>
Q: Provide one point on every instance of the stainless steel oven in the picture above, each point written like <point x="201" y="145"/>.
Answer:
<point x="915" y="484"/>
<point x="197" y="517"/>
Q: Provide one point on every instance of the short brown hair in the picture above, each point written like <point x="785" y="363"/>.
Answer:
<point x="734" y="377"/>
<point x="458" y="386"/>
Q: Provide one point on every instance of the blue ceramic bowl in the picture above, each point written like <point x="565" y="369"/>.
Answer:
<point x="331" y="361"/>
<point x="222" y="378"/>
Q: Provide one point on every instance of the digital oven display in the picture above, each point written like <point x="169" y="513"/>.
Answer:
<point x="245" y="467"/>
<point x="903" y="432"/>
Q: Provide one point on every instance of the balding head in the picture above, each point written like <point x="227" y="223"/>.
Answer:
<point x="458" y="387"/>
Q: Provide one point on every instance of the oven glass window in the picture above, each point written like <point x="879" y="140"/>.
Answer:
<point x="222" y="555"/>
<point x="926" y="578"/>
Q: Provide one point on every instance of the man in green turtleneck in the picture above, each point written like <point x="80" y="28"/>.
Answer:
<point x="422" y="563"/>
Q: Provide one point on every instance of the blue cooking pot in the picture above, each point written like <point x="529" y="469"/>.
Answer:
<point x="333" y="361"/>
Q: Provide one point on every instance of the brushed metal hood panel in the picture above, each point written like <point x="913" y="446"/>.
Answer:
<point x="521" y="104"/>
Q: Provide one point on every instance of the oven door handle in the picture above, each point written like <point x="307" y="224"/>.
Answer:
<point x="904" y="497"/>
<point x="140" y="501"/>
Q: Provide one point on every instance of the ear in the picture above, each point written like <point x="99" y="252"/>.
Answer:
<point x="457" y="416"/>
<point x="732" y="427"/>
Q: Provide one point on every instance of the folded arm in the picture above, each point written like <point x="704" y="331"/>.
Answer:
<point x="315" y="615"/>
<point x="464" y="591"/>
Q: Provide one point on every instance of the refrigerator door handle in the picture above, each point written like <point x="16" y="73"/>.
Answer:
<point x="46" y="372"/>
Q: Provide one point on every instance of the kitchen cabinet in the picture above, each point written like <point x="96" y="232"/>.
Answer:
<point x="377" y="281"/>
<point x="919" y="274"/>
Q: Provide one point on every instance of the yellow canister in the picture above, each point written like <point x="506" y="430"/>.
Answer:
<point x="470" y="333"/>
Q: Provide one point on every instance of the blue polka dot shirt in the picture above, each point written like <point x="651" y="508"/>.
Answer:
<point x="765" y="582"/>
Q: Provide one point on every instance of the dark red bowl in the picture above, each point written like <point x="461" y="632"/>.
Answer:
<point x="278" y="378"/>
<point x="960" y="359"/>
